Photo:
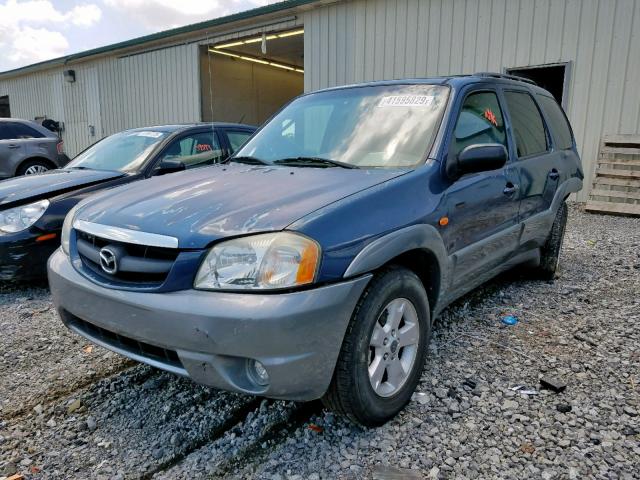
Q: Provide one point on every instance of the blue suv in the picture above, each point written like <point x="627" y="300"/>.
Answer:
<point x="313" y="263"/>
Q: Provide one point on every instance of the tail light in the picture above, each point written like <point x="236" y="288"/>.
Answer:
<point x="60" y="147"/>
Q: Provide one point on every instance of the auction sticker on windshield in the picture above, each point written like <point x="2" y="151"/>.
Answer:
<point x="148" y="134"/>
<point x="407" y="101"/>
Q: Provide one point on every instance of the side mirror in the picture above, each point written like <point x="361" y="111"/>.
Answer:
<point x="169" y="166"/>
<point x="478" y="158"/>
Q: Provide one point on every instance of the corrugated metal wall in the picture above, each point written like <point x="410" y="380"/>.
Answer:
<point x="111" y="94"/>
<point x="362" y="40"/>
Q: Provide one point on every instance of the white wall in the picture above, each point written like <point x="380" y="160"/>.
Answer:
<point x="363" y="40"/>
<point x="111" y="94"/>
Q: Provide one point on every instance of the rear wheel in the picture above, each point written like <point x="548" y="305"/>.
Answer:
<point x="550" y="252"/>
<point x="33" y="167"/>
<point x="384" y="350"/>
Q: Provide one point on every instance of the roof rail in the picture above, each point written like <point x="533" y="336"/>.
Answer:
<point x="505" y="76"/>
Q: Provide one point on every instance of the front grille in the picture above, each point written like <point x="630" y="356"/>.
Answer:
<point x="142" y="349"/>
<point x="138" y="265"/>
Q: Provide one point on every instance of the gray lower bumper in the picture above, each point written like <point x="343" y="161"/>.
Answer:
<point x="297" y="336"/>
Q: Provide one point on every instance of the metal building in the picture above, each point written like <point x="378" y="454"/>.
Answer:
<point x="244" y="66"/>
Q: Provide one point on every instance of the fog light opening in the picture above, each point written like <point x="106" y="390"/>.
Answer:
<point x="258" y="373"/>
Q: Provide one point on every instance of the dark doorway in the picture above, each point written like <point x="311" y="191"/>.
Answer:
<point x="550" y="77"/>
<point x="5" y="111"/>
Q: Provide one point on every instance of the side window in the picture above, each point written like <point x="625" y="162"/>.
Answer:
<point x="21" y="131"/>
<point x="557" y="122"/>
<point x="237" y="138"/>
<point x="480" y="121"/>
<point x="528" y="127"/>
<point x="195" y="150"/>
<point x="5" y="131"/>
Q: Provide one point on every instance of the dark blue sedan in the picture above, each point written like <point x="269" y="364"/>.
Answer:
<point x="32" y="208"/>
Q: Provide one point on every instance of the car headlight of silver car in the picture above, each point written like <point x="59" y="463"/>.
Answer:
<point x="20" y="218"/>
<point x="260" y="262"/>
<point x="66" y="229"/>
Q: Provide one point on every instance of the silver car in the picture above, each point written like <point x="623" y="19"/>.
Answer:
<point x="27" y="148"/>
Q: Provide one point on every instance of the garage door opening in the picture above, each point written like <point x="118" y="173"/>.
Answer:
<point x="247" y="80"/>
<point x="5" y="109"/>
<point x="553" y="78"/>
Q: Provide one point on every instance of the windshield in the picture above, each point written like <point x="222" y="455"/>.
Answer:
<point x="387" y="126"/>
<point x="126" y="151"/>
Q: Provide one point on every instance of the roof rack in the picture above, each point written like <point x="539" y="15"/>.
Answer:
<point x="505" y="76"/>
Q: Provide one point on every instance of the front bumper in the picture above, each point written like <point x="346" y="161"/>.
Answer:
<point x="23" y="258"/>
<point x="212" y="337"/>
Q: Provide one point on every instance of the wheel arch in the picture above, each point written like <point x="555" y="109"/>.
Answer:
<point x="418" y="248"/>
<point x="24" y="161"/>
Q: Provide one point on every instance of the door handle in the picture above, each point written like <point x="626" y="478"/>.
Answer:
<point x="554" y="174"/>
<point x="13" y="145"/>
<point x="510" y="189"/>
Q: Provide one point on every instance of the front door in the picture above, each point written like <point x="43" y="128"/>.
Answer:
<point x="482" y="208"/>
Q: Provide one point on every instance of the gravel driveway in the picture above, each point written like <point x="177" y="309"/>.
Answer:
<point x="72" y="410"/>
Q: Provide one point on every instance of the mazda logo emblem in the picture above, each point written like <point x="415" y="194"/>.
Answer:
<point x="108" y="261"/>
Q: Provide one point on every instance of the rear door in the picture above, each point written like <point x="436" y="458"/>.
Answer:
<point x="482" y="208"/>
<point x="537" y="163"/>
<point x="562" y="142"/>
<point x="36" y="143"/>
<point x="12" y="149"/>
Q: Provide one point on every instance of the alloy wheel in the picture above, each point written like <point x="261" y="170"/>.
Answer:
<point x="35" y="170"/>
<point x="393" y="347"/>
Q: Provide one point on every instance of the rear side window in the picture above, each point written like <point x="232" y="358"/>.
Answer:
<point x="21" y="131"/>
<point x="480" y="121"/>
<point x="528" y="127"/>
<point x="5" y="131"/>
<point x="557" y="122"/>
<point x="237" y="138"/>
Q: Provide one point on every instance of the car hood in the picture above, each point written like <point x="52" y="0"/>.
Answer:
<point x="203" y="205"/>
<point x="21" y="190"/>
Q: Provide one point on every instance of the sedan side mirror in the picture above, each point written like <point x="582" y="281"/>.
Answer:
<point x="169" y="166"/>
<point x="478" y="158"/>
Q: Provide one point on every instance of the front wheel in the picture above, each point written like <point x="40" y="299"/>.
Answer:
<point x="384" y="350"/>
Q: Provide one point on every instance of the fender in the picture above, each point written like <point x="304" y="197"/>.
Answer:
<point x="570" y="185"/>
<point x="391" y="245"/>
<point x="535" y="229"/>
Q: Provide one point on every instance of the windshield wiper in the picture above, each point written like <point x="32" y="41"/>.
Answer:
<point x="248" y="160"/>
<point x="313" y="162"/>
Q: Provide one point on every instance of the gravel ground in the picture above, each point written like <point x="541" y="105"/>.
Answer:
<point x="70" y="410"/>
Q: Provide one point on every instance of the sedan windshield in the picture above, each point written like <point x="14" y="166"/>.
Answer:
<point x="388" y="126"/>
<point x="125" y="151"/>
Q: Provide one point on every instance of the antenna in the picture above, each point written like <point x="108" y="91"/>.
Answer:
<point x="213" y="133"/>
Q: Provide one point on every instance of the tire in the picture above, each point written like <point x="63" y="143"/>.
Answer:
<point x="550" y="252"/>
<point x="33" y="167"/>
<point x="351" y="392"/>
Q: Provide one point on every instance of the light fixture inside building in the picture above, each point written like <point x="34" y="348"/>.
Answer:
<point x="290" y="33"/>
<point x="247" y="58"/>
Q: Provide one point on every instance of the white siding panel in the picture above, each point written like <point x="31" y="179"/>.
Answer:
<point x="400" y="38"/>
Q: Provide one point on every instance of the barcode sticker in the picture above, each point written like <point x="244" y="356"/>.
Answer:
<point x="148" y="134"/>
<point x="407" y="101"/>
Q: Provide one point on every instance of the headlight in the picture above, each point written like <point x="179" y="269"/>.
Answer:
<point x="20" y="218"/>
<point x="66" y="229"/>
<point x="267" y="261"/>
